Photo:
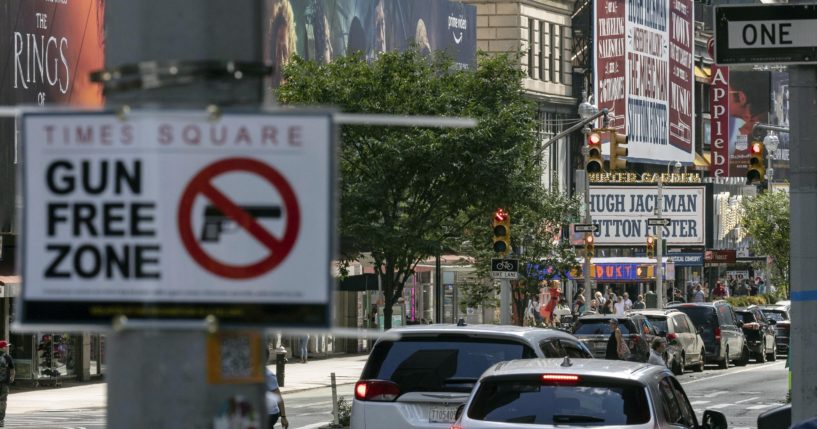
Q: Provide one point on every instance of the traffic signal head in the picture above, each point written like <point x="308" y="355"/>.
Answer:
<point x="757" y="164"/>
<point x="501" y="225"/>
<point x="650" y="246"/>
<point x="589" y="245"/>
<point x="594" y="162"/>
<point x="618" y="149"/>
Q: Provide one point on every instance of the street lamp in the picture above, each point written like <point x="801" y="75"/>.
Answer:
<point x="587" y="110"/>
<point x="771" y="141"/>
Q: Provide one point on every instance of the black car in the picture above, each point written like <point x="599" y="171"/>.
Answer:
<point x="759" y="333"/>
<point x="720" y="328"/>
<point x="594" y="331"/>
<point x="782" y="325"/>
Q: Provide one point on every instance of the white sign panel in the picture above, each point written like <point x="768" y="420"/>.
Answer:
<point x="177" y="213"/>
<point x="796" y="33"/>
<point x="622" y="213"/>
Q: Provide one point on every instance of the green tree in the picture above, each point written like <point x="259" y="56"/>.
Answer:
<point x="408" y="192"/>
<point x="766" y="220"/>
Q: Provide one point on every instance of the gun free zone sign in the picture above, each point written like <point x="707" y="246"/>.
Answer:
<point x="177" y="216"/>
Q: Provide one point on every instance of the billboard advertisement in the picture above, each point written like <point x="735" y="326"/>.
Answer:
<point x="49" y="49"/>
<point x="320" y="30"/>
<point x="622" y="212"/>
<point x="719" y="122"/>
<point x="648" y="47"/>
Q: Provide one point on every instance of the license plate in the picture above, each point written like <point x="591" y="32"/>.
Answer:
<point x="442" y="415"/>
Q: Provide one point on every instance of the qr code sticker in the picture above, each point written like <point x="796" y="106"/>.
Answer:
<point x="236" y="357"/>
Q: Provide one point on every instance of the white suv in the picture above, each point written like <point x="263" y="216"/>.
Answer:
<point x="419" y="379"/>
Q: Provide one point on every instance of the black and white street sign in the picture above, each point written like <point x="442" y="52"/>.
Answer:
<point x="505" y="268"/>
<point x="658" y="221"/>
<point x="175" y="216"/>
<point x="585" y="227"/>
<point x="783" y="34"/>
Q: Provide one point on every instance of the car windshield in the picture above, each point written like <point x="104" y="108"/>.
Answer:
<point x="440" y="364"/>
<point x="530" y="401"/>
<point x="660" y="323"/>
<point x="775" y="315"/>
<point x="598" y="327"/>
<point x="703" y="317"/>
<point x="746" y="316"/>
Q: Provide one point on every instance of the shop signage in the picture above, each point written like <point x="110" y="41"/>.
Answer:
<point x="627" y="177"/>
<point x="177" y="216"/>
<point x="614" y="271"/>
<point x="682" y="259"/>
<point x="728" y="256"/>
<point x="623" y="212"/>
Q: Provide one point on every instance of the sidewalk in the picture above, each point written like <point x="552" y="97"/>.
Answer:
<point x="298" y="377"/>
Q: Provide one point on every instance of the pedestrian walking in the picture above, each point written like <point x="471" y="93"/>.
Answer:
<point x="617" y="349"/>
<point x="659" y="346"/>
<point x="628" y="304"/>
<point x="607" y="308"/>
<point x="639" y="303"/>
<point x="275" y="401"/>
<point x="7" y="374"/>
<point x="698" y="295"/>
<point x="303" y="345"/>
<point x="619" y="306"/>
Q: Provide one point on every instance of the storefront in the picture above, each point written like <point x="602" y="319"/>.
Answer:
<point x="634" y="275"/>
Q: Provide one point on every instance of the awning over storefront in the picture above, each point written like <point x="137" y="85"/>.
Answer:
<point x="701" y="162"/>
<point x="702" y="73"/>
<point x="9" y="286"/>
<point x="358" y="283"/>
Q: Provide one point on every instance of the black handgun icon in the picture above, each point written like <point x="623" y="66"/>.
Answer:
<point x="215" y="220"/>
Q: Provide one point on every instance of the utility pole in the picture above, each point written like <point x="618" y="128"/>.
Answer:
<point x="504" y="302"/>
<point x="158" y="54"/>
<point x="659" y="244"/>
<point x="803" y="190"/>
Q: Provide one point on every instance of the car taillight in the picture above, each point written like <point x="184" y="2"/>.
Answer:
<point x="568" y="379"/>
<point x="376" y="390"/>
<point x="717" y="334"/>
<point x="672" y="336"/>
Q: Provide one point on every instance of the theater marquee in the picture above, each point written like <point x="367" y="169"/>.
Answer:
<point x="622" y="212"/>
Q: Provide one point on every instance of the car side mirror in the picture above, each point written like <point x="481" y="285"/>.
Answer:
<point x="714" y="420"/>
<point x="458" y="414"/>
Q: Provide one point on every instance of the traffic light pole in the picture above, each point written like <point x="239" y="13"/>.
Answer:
<point x="505" y="302"/>
<point x="659" y="278"/>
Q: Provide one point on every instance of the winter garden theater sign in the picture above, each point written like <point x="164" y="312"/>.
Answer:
<point x="622" y="212"/>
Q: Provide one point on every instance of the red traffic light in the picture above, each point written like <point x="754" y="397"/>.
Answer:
<point x="650" y="240"/>
<point x="594" y="138"/>
<point x="500" y="215"/>
<point x="588" y="239"/>
<point x="757" y="148"/>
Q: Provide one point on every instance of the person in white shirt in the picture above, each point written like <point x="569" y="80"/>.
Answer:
<point x="659" y="346"/>
<point x="619" y="306"/>
<point x="628" y="305"/>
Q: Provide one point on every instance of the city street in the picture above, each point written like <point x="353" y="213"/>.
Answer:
<point x="742" y="393"/>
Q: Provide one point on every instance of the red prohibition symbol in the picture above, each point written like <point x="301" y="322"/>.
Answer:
<point x="202" y="184"/>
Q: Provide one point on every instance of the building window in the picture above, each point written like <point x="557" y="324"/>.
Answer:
<point x="531" y="71"/>
<point x="555" y="52"/>
<point x="544" y="51"/>
<point x="565" y="56"/>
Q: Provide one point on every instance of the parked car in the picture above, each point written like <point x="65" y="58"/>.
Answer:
<point x="418" y="378"/>
<point x="540" y="393"/>
<point x="594" y="331"/>
<point x="724" y="341"/>
<point x="685" y="347"/>
<point x="759" y="333"/>
<point x="782" y="326"/>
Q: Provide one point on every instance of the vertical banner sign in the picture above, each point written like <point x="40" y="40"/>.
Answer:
<point x="609" y="55"/>
<point x="779" y="116"/>
<point x="749" y="102"/>
<point x="682" y="75"/>
<point x="647" y="75"/>
<point x="719" y="109"/>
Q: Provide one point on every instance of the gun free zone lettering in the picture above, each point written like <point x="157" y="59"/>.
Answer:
<point x="116" y="212"/>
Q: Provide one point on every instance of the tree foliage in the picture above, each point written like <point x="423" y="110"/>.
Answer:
<point x="408" y="192"/>
<point x="766" y="220"/>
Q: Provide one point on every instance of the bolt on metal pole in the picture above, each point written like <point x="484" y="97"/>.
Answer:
<point x="659" y="244"/>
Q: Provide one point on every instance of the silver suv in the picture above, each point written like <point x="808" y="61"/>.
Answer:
<point x="547" y="393"/>
<point x="419" y="379"/>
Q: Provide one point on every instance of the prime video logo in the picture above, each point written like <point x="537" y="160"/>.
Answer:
<point x="457" y="23"/>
